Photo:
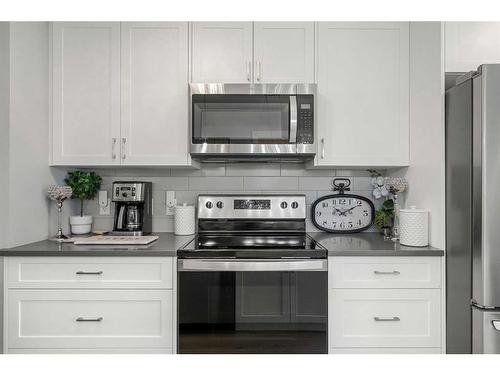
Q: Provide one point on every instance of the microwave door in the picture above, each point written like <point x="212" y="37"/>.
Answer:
<point x="244" y="124"/>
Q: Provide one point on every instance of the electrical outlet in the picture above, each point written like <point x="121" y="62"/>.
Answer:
<point x="170" y="202"/>
<point x="105" y="210"/>
<point x="104" y="203"/>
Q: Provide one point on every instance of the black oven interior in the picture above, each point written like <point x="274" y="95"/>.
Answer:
<point x="253" y="312"/>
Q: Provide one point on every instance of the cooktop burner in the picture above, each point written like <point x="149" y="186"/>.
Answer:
<point x="252" y="246"/>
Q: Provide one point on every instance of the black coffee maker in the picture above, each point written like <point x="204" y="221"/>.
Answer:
<point x="133" y="208"/>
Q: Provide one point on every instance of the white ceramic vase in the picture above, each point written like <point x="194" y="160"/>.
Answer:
<point x="80" y="224"/>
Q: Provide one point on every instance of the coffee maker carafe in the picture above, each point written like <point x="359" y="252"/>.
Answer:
<point x="133" y="208"/>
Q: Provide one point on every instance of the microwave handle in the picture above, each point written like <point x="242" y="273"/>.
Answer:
<point x="293" y="119"/>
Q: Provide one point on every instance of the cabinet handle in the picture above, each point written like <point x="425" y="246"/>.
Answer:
<point x="124" y="155"/>
<point x="322" y="148"/>
<point x="393" y="319"/>
<point x="249" y="68"/>
<point x="89" y="273"/>
<point x="259" y="70"/>
<point x="113" y="153"/>
<point x="386" y="273"/>
<point x="80" y="319"/>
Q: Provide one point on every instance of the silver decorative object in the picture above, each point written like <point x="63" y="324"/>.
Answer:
<point x="59" y="194"/>
<point x="397" y="185"/>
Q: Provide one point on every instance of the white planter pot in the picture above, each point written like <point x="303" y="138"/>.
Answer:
<point x="80" y="224"/>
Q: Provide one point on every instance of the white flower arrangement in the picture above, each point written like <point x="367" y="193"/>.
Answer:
<point x="380" y="188"/>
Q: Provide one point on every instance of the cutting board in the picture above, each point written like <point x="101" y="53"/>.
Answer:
<point x="116" y="240"/>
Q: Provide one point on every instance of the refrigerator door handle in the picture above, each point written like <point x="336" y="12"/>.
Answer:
<point x="496" y="324"/>
<point x="478" y="306"/>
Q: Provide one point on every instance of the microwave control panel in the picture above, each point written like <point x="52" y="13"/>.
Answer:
<point x="305" y="119"/>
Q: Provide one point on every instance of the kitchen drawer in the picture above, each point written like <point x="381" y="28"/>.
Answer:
<point x="74" y="319"/>
<point x="385" y="351"/>
<point x="384" y="318"/>
<point x="384" y="272"/>
<point x="92" y="351"/>
<point x="89" y="272"/>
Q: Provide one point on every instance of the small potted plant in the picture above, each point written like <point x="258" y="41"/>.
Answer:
<point x="384" y="216"/>
<point x="85" y="186"/>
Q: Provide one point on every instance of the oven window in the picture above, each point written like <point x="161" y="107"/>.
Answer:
<point x="241" y="119"/>
<point x="253" y="312"/>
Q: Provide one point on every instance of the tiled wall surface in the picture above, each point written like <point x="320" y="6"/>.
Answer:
<point x="231" y="178"/>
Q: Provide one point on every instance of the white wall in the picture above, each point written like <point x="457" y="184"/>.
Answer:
<point x="29" y="131"/>
<point x="24" y="126"/>
<point x="4" y="130"/>
<point x="426" y="174"/>
<point x="4" y="152"/>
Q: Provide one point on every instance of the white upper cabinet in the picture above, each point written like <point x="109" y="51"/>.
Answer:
<point x="154" y="96"/>
<point x="247" y="52"/>
<point x="222" y="52"/>
<point x="284" y="52"/>
<point x="470" y="44"/>
<point x="120" y="93"/>
<point x="363" y="94"/>
<point x="86" y="93"/>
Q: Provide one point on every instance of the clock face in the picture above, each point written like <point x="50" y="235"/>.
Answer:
<point x="343" y="213"/>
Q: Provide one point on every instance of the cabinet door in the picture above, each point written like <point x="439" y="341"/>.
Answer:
<point x="154" y="81"/>
<point x="385" y="318"/>
<point x="86" y="93"/>
<point x="363" y="93"/>
<point x="284" y="52"/>
<point x="309" y="297"/>
<point x="470" y="44"/>
<point x="262" y="297"/>
<point x="222" y="52"/>
<point x="79" y="319"/>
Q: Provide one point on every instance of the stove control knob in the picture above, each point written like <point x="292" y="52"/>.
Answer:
<point x="295" y="205"/>
<point x="220" y="204"/>
<point x="283" y="205"/>
<point x="209" y="205"/>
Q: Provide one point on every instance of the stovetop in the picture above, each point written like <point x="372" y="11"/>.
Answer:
<point x="253" y="246"/>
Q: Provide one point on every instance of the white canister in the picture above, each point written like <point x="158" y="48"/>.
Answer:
<point x="414" y="227"/>
<point x="184" y="220"/>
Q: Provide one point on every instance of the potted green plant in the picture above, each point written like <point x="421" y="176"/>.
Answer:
<point x="384" y="217"/>
<point x="85" y="186"/>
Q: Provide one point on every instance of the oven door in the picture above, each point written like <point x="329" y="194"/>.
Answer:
<point x="243" y="124"/>
<point x="252" y="306"/>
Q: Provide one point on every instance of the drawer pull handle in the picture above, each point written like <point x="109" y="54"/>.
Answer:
<point x="80" y="319"/>
<point x="386" y="273"/>
<point x="89" y="273"/>
<point x="393" y="319"/>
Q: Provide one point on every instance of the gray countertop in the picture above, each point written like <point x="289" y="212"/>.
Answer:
<point x="166" y="245"/>
<point x="369" y="244"/>
<point x="362" y="244"/>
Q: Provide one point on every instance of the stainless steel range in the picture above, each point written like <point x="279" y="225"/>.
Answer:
<point x="252" y="280"/>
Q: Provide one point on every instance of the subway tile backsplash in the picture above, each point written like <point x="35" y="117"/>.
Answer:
<point x="220" y="178"/>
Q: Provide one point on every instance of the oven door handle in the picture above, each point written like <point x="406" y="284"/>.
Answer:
<point x="293" y="119"/>
<point x="252" y="265"/>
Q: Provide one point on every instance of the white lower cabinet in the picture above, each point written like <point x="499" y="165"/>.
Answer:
<point x="89" y="319"/>
<point x="385" y="305"/>
<point x="385" y="318"/>
<point x="119" y="305"/>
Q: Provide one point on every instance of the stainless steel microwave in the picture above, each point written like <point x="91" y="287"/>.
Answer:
<point x="252" y="120"/>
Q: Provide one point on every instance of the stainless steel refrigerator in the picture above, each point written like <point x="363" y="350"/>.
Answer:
<point x="473" y="212"/>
